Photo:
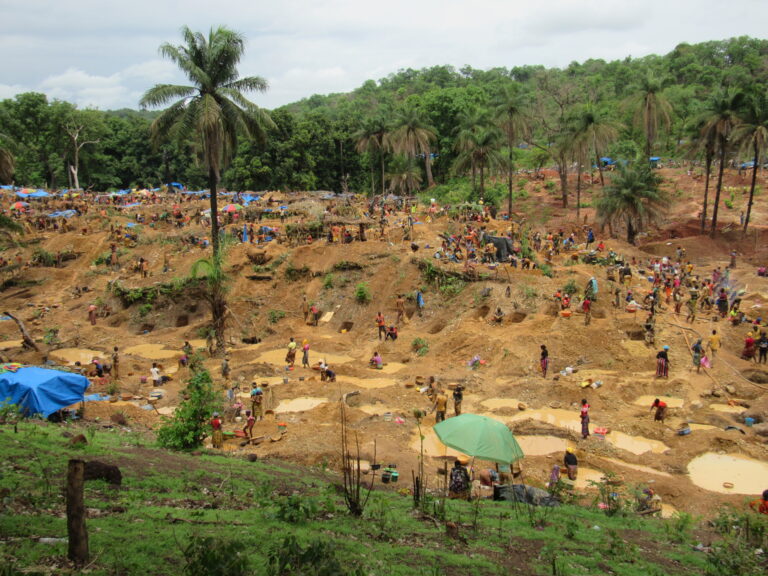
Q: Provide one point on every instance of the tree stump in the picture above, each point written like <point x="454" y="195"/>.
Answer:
<point x="76" y="530"/>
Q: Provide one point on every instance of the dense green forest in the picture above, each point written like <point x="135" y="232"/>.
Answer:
<point x="418" y="128"/>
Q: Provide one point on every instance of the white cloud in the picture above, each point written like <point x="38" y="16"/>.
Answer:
<point x="106" y="55"/>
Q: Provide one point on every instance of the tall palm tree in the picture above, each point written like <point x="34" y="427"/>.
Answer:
<point x="752" y="135"/>
<point x="719" y="119"/>
<point x="371" y="138"/>
<point x="412" y="136"/>
<point x="596" y="131"/>
<point x="705" y="141"/>
<point x="652" y="110"/>
<point x="213" y="107"/>
<point x="470" y="122"/>
<point x="480" y="150"/>
<point x="7" y="162"/>
<point x="632" y="197"/>
<point x="512" y="118"/>
<point x="403" y="177"/>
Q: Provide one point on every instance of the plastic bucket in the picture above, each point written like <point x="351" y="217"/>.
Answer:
<point x="749" y="422"/>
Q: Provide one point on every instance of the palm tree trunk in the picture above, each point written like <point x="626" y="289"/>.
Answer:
<point x="751" y="189"/>
<point x="482" y="182"/>
<point x="213" y="183"/>
<point x="510" y="180"/>
<point x="600" y="168"/>
<point x="578" y="193"/>
<point x="719" y="187"/>
<point x="630" y="232"/>
<point x="562" y="170"/>
<point x="373" y="177"/>
<point x="707" y="174"/>
<point x="428" y="168"/>
<point x="381" y="159"/>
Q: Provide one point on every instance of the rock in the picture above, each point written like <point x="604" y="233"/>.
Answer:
<point x="78" y="440"/>
<point x="522" y="406"/>
<point x="252" y="457"/>
<point x="716" y="393"/>
<point x="730" y="389"/>
<point x="96" y="470"/>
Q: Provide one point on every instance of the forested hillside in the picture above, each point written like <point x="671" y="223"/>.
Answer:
<point x="416" y="128"/>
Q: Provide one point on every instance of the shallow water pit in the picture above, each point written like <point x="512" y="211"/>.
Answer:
<point x="152" y="352"/>
<point x="718" y="472"/>
<point x="301" y="404"/>
<point x="499" y="403"/>
<point x="541" y="445"/>
<point x="72" y="355"/>
<point x="647" y="401"/>
<point x="278" y="357"/>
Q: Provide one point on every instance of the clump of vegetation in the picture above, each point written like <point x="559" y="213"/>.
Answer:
<point x="362" y="293"/>
<point x="420" y="346"/>
<point x="188" y="426"/>
<point x="570" y="287"/>
<point x="345" y="265"/>
<point x="328" y="281"/>
<point x="274" y="316"/>
<point x="209" y="556"/>
<point x="292" y="274"/>
<point x="317" y="559"/>
<point x="42" y="257"/>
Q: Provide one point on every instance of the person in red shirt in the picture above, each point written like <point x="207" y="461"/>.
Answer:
<point x="218" y="436"/>
<point x="249" y="423"/>
<point x="761" y="504"/>
<point x="584" y="418"/>
<point x="661" y="410"/>
<point x="586" y="306"/>
<point x="382" y="326"/>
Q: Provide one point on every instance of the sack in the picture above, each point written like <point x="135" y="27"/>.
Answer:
<point x="459" y="480"/>
<point x="705" y="362"/>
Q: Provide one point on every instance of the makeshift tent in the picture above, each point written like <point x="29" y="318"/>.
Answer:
<point x="63" y="214"/>
<point x="41" y="390"/>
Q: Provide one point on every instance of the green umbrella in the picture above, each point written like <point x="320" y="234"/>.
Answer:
<point x="481" y="437"/>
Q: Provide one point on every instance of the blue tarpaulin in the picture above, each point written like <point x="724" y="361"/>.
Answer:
<point x="41" y="390"/>
<point x="63" y="214"/>
<point x="654" y="158"/>
<point x="178" y="185"/>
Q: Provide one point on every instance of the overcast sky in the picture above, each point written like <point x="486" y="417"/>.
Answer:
<point x="104" y="54"/>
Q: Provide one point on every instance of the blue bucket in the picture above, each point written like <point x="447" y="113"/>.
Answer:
<point x="749" y="422"/>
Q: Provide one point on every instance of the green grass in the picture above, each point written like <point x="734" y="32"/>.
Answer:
<point x="168" y="500"/>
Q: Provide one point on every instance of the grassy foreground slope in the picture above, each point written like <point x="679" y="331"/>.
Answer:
<point x="206" y="513"/>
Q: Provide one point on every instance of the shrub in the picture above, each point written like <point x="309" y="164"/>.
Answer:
<point x="296" y="509"/>
<point x="570" y="287"/>
<point x="420" y="346"/>
<point x="317" y="559"/>
<point x="362" y="293"/>
<point x="43" y="258"/>
<point x="546" y="269"/>
<point x="274" y="316"/>
<point x="328" y="281"/>
<point x="188" y="427"/>
<point x="207" y="556"/>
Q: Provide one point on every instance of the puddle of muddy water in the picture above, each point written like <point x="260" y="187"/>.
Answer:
<point x="727" y="408"/>
<point x="711" y="471"/>
<point x="278" y="357"/>
<point x="72" y="355"/>
<point x="370" y="383"/>
<point x="648" y="400"/>
<point x="432" y="445"/>
<point x="152" y="352"/>
<point x="299" y="404"/>
<point x="541" y="445"/>
<point x="585" y="476"/>
<point x="377" y="409"/>
<point x="569" y="420"/>
<point x="498" y="403"/>
<point x="8" y="344"/>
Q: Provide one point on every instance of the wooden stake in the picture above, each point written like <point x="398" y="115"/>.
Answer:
<point x="76" y="530"/>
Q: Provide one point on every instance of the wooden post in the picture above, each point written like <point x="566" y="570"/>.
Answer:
<point x="76" y="530"/>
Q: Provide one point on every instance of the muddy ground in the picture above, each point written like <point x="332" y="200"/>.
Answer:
<point x="691" y="472"/>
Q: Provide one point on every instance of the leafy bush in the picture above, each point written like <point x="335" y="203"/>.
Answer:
<point x="43" y="258"/>
<point x="317" y="559"/>
<point x="295" y="509"/>
<point x="420" y="346"/>
<point x="362" y="293"/>
<point x="274" y="316"/>
<point x="292" y="274"/>
<point x="188" y="426"/>
<point x="546" y="269"/>
<point x="207" y="556"/>
<point x="145" y="309"/>
<point x="328" y="281"/>
<point x="570" y="287"/>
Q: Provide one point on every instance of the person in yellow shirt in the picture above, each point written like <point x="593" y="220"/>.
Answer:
<point x="713" y="345"/>
<point x="440" y="406"/>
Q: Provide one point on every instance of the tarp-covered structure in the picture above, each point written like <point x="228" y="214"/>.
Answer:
<point x="41" y="390"/>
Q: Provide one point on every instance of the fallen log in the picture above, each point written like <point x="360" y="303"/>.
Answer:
<point x="24" y="334"/>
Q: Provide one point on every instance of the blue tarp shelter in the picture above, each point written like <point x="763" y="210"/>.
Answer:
<point x="606" y="161"/>
<point x="42" y="390"/>
<point x="63" y="214"/>
<point x="178" y="185"/>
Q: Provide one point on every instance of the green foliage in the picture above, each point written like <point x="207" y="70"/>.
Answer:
<point x="145" y="309"/>
<point x="451" y="286"/>
<point x="546" y="269"/>
<point x="345" y="265"/>
<point x="189" y="425"/>
<point x="209" y="556"/>
<point x="296" y="509"/>
<point x="570" y="287"/>
<point x="51" y="336"/>
<point x="328" y="281"/>
<point x="274" y="316"/>
<point x="9" y="413"/>
<point x="678" y="528"/>
<point x="420" y="346"/>
<point x="292" y="274"/>
<point x="43" y="258"/>
<point x="319" y="558"/>
<point x="362" y="293"/>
